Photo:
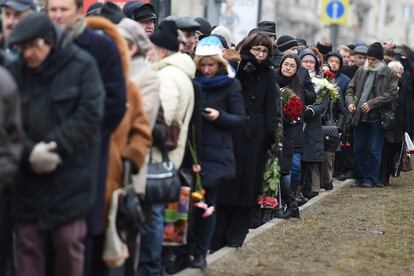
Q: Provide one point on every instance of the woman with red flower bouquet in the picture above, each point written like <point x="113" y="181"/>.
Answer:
<point x="292" y="139"/>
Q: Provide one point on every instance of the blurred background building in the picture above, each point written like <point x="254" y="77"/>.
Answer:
<point x="368" y="20"/>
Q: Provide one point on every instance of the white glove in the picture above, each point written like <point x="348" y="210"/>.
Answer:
<point x="42" y="158"/>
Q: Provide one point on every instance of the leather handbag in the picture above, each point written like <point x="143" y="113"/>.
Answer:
<point x="387" y="119"/>
<point x="331" y="138"/>
<point x="163" y="184"/>
<point x="130" y="215"/>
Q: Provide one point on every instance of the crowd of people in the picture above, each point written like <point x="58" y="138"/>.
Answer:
<point x="89" y="103"/>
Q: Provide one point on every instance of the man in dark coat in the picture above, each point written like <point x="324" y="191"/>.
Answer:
<point x="104" y="50"/>
<point x="11" y="139"/>
<point x="62" y="102"/>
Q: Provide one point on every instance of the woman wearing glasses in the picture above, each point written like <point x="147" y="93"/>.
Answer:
<point x="237" y="198"/>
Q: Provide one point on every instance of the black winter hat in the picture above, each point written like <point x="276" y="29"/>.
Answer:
<point x="285" y="42"/>
<point x="166" y="36"/>
<point x="267" y="27"/>
<point x="205" y="26"/>
<point x="375" y="50"/>
<point x="139" y="11"/>
<point x="32" y="26"/>
<point x="108" y="10"/>
<point x="324" y="47"/>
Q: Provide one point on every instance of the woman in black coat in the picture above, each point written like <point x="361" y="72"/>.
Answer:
<point x="237" y="198"/>
<point x="293" y="136"/>
<point x="223" y="110"/>
<point x="393" y="138"/>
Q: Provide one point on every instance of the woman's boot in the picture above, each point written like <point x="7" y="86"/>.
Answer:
<point x="292" y="209"/>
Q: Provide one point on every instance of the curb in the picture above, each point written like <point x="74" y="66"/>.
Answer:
<point x="219" y="254"/>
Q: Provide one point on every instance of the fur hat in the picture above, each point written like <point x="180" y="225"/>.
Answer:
<point x="375" y="50"/>
<point x="285" y="42"/>
<point x="267" y="27"/>
<point x="166" y="36"/>
<point x="132" y="31"/>
<point x="324" y="47"/>
<point x="225" y="33"/>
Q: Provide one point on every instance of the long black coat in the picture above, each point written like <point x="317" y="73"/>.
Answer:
<point x="62" y="101"/>
<point x="262" y="103"/>
<point x="216" y="152"/>
<point x="402" y="108"/>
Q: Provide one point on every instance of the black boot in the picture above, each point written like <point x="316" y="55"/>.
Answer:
<point x="199" y="261"/>
<point x="292" y="209"/>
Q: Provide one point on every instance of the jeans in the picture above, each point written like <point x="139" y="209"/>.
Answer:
<point x="151" y="243"/>
<point x="368" y="141"/>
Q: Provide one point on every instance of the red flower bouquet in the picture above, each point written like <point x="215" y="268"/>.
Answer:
<point x="292" y="105"/>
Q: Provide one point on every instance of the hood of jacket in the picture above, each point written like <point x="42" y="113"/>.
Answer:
<point x="106" y="26"/>
<point x="338" y="55"/>
<point x="182" y="61"/>
<point x="306" y="52"/>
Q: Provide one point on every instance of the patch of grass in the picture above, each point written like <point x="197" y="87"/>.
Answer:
<point x="354" y="231"/>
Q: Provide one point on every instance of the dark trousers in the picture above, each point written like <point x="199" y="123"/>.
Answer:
<point x="203" y="227"/>
<point x="7" y="267"/>
<point x="68" y="247"/>
<point x="94" y="265"/>
<point x="368" y="141"/>
<point x="232" y="226"/>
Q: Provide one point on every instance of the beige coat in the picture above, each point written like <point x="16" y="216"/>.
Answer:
<point x="177" y="99"/>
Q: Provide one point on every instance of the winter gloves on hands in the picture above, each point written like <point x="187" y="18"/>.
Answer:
<point x="43" y="159"/>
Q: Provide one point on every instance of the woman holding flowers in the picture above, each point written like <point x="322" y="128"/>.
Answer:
<point x="238" y="198"/>
<point x="294" y="97"/>
<point x="223" y="110"/>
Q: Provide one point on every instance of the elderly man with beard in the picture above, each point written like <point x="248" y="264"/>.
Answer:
<point x="373" y="87"/>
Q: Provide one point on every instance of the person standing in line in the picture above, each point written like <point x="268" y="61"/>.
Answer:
<point x="237" y="198"/>
<point x="373" y="87"/>
<point x="11" y="141"/>
<point x="62" y="103"/>
<point x="223" y="110"/>
<point x="175" y="71"/>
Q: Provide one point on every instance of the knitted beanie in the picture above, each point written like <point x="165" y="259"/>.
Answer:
<point x="285" y="42"/>
<point x="166" y="36"/>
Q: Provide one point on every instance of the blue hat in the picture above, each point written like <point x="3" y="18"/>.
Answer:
<point x="209" y="46"/>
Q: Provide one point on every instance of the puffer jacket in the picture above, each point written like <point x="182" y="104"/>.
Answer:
<point x="177" y="99"/>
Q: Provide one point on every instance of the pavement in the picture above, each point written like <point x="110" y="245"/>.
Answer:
<point x="225" y="251"/>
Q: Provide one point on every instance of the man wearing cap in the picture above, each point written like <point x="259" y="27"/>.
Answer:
<point x="11" y="12"/>
<point x="360" y="57"/>
<point x="175" y="71"/>
<point x="373" y="88"/>
<point x="189" y="27"/>
<point x="62" y="102"/>
<point x="143" y="13"/>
